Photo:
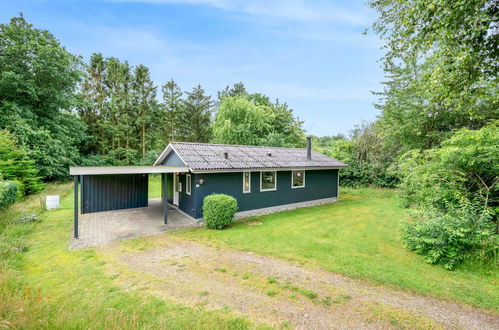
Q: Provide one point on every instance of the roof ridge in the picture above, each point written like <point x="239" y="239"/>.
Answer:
<point x="234" y="145"/>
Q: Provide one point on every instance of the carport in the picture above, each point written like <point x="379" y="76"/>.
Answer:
<point x="110" y="188"/>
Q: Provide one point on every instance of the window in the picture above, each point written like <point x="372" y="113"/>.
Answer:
<point x="298" y="179"/>
<point x="268" y="180"/>
<point x="246" y="182"/>
<point x="188" y="184"/>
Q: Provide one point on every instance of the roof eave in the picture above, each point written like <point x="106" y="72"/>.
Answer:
<point x="163" y="154"/>
<point x="259" y="169"/>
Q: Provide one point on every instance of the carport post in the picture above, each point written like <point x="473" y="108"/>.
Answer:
<point x="165" y="198"/>
<point x="76" y="206"/>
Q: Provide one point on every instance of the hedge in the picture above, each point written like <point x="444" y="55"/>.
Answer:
<point x="218" y="210"/>
<point x="8" y="194"/>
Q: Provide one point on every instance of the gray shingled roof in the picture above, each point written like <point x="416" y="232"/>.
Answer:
<point x="205" y="156"/>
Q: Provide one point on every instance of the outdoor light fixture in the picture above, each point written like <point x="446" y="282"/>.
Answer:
<point x="200" y="181"/>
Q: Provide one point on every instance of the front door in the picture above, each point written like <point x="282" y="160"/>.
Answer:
<point x="175" y="189"/>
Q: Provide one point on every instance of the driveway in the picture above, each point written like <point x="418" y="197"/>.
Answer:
<point x="277" y="292"/>
<point x="99" y="228"/>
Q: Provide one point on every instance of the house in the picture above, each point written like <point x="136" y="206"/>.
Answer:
<point x="259" y="177"/>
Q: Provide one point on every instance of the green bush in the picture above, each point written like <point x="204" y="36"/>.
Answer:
<point x="218" y="210"/>
<point x="15" y="165"/>
<point x="464" y="167"/>
<point x="8" y="194"/>
<point x="466" y="233"/>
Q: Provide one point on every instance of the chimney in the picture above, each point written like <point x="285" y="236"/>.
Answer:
<point x="309" y="148"/>
<point x="226" y="155"/>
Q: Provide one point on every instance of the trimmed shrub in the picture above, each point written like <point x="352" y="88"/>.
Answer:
<point x="8" y="194"/>
<point x="464" y="234"/>
<point x="218" y="210"/>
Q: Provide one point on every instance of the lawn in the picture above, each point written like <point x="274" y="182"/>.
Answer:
<point x="154" y="186"/>
<point x="43" y="285"/>
<point x="358" y="237"/>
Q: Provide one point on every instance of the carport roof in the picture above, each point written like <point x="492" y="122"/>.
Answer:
<point x="100" y="170"/>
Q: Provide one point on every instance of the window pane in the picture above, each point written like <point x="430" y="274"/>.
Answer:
<point x="246" y="183"/>
<point x="268" y="180"/>
<point x="298" y="178"/>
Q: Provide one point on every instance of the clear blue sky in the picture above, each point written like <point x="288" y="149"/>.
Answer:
<point x="310" y="54"/>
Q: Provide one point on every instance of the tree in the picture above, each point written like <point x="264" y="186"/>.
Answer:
<point x="16" y="166"/>
<point x="94" y="95"/>
<point x="38" y="85"/>
<point x="196" y="116"/>
<point x="370" y="159"/>
<point x="172" y="111"/>
<point x="237" y="89"/>
<point x="239" y="121"/>
<point x="279" y="127"/>
<point x="442" y="60"/>
<point x="465" y="167"/>
<point x="144" y="102"/>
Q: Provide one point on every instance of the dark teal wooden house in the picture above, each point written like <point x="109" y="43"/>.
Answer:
<point x="258" y="177"/>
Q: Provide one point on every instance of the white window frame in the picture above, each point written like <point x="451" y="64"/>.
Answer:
<point x="249" y="178"/>
<point x="275" y="183"/>
<point x="188" y="184"/>
<point x="293" y="179"/>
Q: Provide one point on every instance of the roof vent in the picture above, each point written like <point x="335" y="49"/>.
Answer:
<point x="226" y="155"/>
<point x="269" y="154"/>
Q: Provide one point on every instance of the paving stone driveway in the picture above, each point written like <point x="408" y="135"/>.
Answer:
<point x="99" y="228"/>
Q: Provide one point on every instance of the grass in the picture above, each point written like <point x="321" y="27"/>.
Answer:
<point x="154" y="186"/>
<point x="358" y="237"/>
<point x="43" y="285"/>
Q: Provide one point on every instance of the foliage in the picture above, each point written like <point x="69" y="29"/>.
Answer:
<point x="173" y="111"/>
<point x="195" y="125"/>
<point x="120" y="109"/>
<point x="218" y="210"/>
<point x="239" y="121"/>
<point x="466" y="233"/>
<point x="442" y="63"/>
<point x="368" y="157"/>
<point x="252" y="119"/>
<point x="466" y="166"/>
<point x="15" y="165"/>
<point x="38" y="82"/>
<point x="8" y="194"/>
<point x="143" y="100"/>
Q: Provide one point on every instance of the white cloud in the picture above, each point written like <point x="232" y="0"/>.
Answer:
<point x="293" y="10"/>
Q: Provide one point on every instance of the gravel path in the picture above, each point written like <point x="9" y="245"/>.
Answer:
<point x="279" y="293"/>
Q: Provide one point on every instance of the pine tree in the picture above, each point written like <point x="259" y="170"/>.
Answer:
<point x="144" y="104"/>
<point x="196" y="116"/>
<point x="94" y="94"/>
<point x="172" y="108"/>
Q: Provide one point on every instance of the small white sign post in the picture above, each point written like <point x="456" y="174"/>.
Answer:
<point x="52" y="202"/>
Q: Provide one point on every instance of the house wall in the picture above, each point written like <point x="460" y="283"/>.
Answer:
<point x="172" y="160"/>
<point x="318" y="184"/>
<point x="113" y="192"/>
<point x="187" y="203"/>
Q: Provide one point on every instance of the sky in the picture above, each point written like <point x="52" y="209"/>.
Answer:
<point x="312" y="55"/>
